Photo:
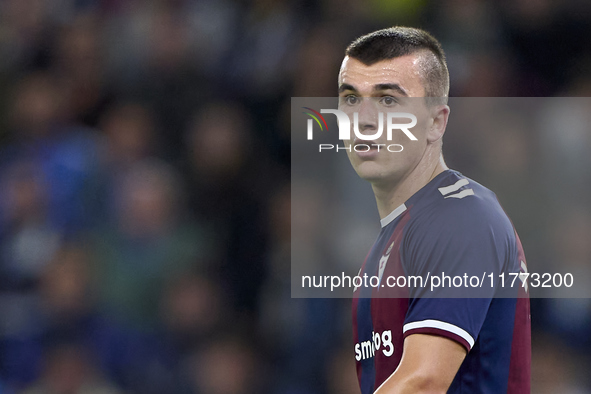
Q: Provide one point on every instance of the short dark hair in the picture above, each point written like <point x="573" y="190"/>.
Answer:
<point x="399" y="41"/>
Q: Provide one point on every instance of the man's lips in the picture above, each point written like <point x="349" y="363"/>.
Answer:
<point x="359" y="141"/>
<point x="361" y="150"/>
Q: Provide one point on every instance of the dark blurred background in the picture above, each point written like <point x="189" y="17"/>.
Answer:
<point x="145" y="185"/>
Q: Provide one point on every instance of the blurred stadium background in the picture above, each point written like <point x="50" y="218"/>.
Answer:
<point x="145" y="185"/>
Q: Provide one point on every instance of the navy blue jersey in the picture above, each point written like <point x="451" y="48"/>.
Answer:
<point x="455" y="227"/>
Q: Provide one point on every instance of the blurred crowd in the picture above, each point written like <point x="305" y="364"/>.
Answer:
<point x="145" y="205"/>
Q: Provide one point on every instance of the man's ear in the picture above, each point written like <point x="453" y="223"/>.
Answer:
<point x="440" y="115"/>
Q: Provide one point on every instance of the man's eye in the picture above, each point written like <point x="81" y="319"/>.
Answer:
<point x="352" y="100"/>
<point x="388" y="100"/>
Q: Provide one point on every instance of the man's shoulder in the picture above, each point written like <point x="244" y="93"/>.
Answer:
<point x="454" y="199"/>
<point x="452" y="189"/>
<point x="458" y="221"/>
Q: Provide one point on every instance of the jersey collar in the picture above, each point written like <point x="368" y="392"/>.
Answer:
<point x="392" y="215"/>
<point x="425" y="189"/>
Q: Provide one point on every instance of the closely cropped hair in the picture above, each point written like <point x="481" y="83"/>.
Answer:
<point x="400" y="41"/>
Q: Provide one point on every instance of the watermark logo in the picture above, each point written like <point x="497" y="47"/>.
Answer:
<point x="391" y="119"/>
<point x="315" y="117"/>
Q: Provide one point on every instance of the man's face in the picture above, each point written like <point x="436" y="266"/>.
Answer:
<point x="386" y="86"/>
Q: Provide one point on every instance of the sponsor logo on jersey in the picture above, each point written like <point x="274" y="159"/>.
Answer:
<point x="378" y="342"/>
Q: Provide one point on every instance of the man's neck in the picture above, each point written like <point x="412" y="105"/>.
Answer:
<point x="391" y="196"/>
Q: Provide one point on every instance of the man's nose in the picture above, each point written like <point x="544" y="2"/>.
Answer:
<point x="368" y="115"/>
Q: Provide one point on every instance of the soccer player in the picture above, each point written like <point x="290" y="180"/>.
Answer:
<point x="434" y="220"/>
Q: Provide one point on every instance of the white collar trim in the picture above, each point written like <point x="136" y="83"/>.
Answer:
<point x="392" y="215"/>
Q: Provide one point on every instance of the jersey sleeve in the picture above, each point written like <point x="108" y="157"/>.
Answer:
<point x="455" y="247"/>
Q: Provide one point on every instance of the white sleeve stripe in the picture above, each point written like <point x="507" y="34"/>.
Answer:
<point x="462" y="194"/>
<point x="456" y="186"/>
<point x="441" y="325"/>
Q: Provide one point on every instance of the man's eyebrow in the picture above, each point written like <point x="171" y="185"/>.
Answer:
<point x="390" y="86"/>
<point x="379" y="87"/>
<point x="346" y="86"/>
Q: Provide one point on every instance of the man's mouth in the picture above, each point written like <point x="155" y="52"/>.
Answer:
<point x="366" y="149"/>
<point x="359" y="144"/>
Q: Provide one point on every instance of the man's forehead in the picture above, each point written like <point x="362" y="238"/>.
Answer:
<point x="404" y="70"/>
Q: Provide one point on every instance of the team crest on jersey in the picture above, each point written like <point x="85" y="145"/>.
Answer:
<point x="523" y="274"/>
<point x="383" y="261"/>
<point x="358" y="274"/>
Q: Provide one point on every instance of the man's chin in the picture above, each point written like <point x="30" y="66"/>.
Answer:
<point x="376" y="179"/>
<point x="371" y="174"/>
<point x="374" y="173"/>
